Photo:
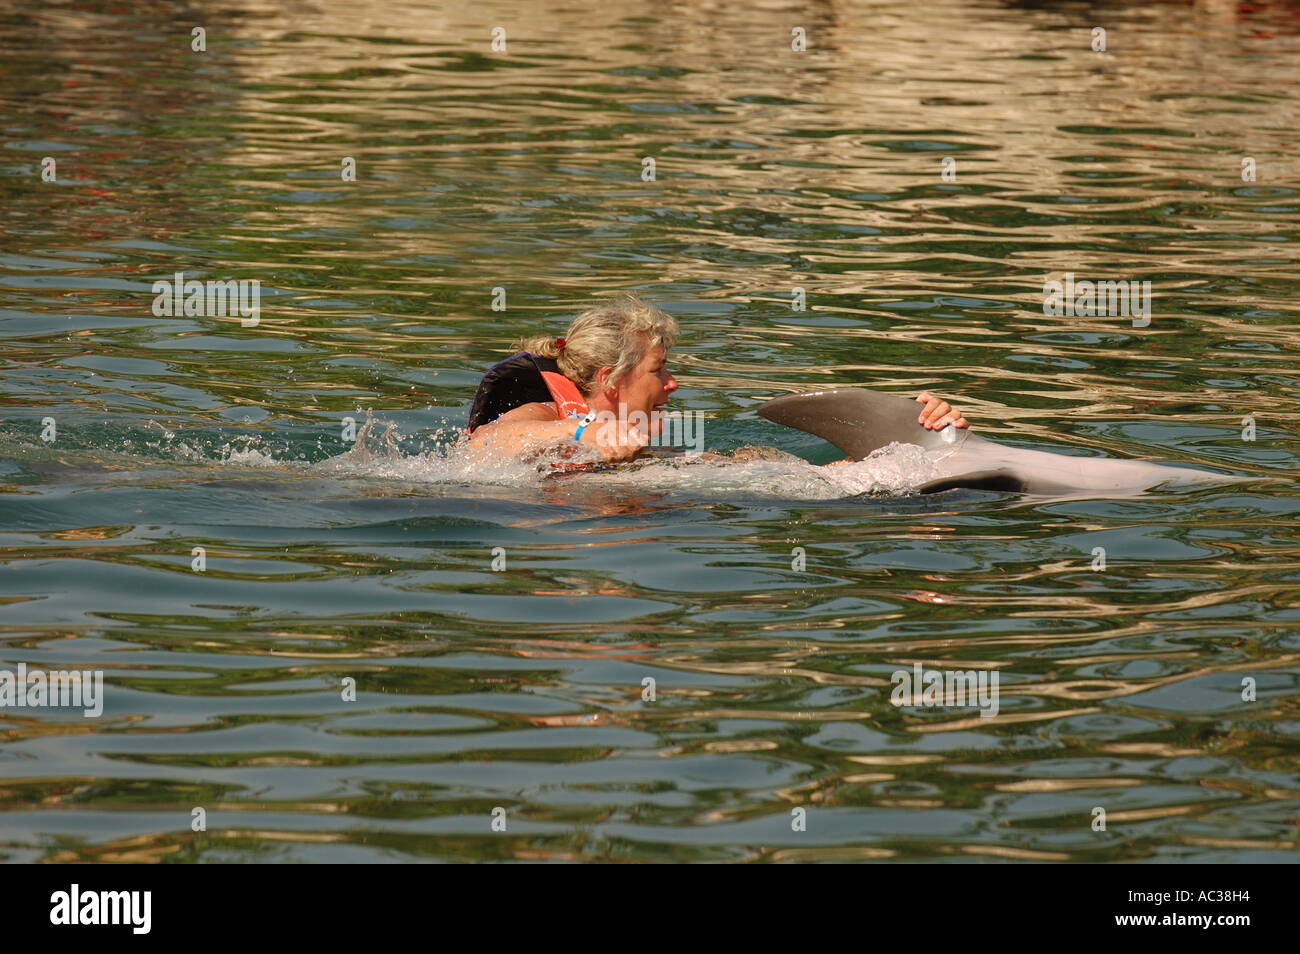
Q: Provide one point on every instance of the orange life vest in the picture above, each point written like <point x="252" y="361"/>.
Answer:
<point x="524" y="379"/>
<point x="568" y="399"/>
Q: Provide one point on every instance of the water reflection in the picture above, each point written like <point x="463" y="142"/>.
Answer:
<point x="525" y="688"/>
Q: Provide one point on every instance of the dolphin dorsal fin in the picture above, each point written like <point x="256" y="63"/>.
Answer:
<point x="856" y="420"/>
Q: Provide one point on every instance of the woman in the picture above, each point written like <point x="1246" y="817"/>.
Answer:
<point x="609" y="370"/>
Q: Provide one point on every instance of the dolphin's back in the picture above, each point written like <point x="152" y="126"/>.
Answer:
<point x="859" y="421"/>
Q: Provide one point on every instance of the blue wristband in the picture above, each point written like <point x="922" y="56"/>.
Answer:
<point x="582" y="425"/>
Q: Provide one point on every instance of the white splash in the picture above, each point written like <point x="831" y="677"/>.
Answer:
<point x="894" y="468"/>
<point x="749" y="472"/>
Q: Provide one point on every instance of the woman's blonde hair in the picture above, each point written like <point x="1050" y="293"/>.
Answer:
<point x="617" y="334"/>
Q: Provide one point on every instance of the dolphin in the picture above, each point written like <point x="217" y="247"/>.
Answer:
<point x="859" y="421"/>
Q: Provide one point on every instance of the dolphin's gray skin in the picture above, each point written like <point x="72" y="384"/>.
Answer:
<point x="858" y="421"/>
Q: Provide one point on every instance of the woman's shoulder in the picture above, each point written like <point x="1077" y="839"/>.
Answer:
<point x="535" y="411"/>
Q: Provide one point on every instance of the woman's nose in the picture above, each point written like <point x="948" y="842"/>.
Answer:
<point x="671" y="386"/>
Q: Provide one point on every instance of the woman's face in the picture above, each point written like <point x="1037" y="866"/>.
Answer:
<point x="648" y="386"/>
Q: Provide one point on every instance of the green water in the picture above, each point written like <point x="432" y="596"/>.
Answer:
<point x="522" y="688"/>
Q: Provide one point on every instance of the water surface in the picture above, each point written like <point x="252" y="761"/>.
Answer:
<point x="522" y="688"/>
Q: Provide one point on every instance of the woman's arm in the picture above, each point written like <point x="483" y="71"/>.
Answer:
<point x="531" y="426"/>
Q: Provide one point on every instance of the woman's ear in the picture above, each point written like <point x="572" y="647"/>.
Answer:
<point x="603" y="380"/>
